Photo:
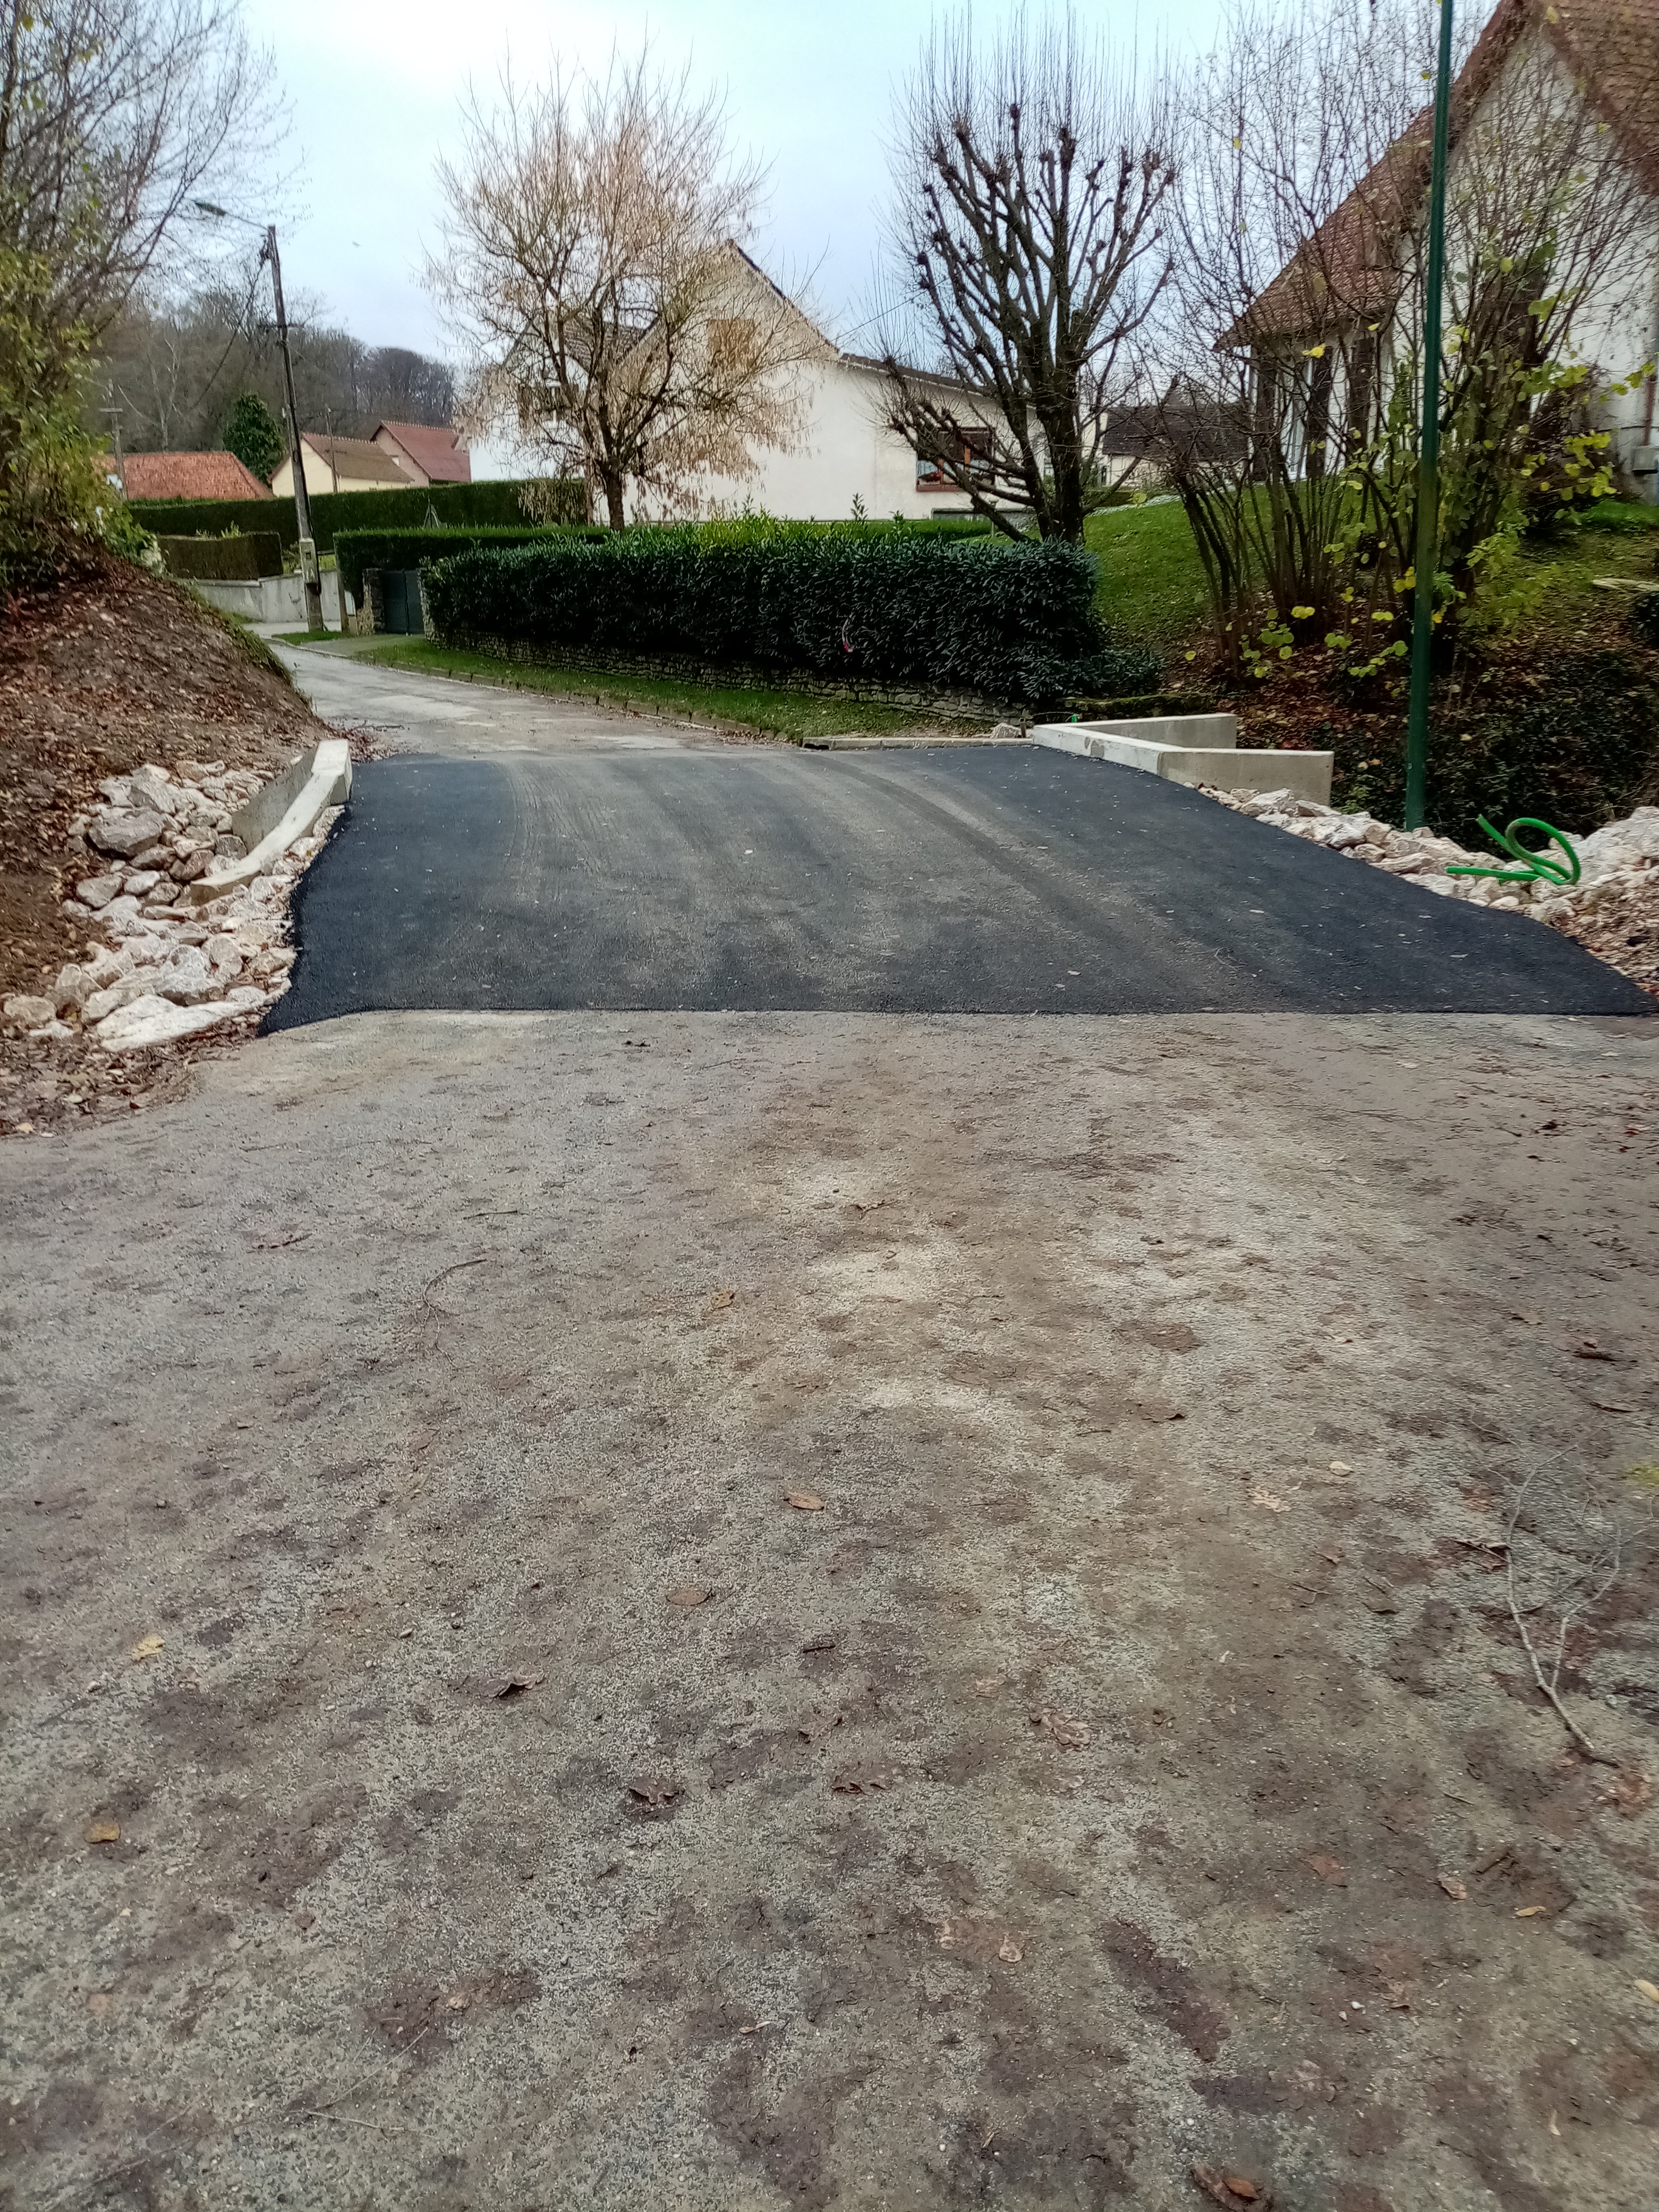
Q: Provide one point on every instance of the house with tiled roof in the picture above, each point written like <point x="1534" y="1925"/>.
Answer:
<point x="186" y="475"/>
<point x="1338" y="310"/>
<point x="434" y="453"/>
<point x="345" y="464"/>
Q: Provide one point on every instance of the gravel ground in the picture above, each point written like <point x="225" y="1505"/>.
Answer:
<point x="445" y="1769"/>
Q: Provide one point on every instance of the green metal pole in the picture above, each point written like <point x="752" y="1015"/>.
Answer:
<point x="1428" y="455"/>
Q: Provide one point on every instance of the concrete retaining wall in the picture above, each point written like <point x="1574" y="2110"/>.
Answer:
<point x="279" y="599"/>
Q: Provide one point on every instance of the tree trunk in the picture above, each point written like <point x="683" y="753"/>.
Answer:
<point x="612" y="484"/>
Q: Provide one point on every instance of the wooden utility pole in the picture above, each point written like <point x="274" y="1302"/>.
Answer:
<point x="309" y="571"/>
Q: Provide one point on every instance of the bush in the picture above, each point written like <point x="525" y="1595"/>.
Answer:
<point x="237" y="560"/>
<point x="1009" y="621"/>
<point x="1581" y="749"/>
<point x="459" y="506"/>
<point x="355" y="551"/>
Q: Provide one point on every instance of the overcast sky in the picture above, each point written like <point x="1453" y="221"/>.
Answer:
<point x="375" y="88"/>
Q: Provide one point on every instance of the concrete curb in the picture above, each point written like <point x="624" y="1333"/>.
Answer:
<point x="1191" y="748"/>
<point x="309" y="786"/>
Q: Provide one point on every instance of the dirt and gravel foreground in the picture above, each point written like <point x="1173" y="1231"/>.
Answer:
<point x="445" y="1770"/>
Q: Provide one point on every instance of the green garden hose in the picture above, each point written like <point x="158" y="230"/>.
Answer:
<point x="1541" y="866"/>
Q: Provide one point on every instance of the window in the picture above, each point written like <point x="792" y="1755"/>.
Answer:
<point x="969" y="446"/>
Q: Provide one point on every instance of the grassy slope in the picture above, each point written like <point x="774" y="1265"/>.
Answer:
<point x="1151" y="587"/>
<point x="790" y="714"/>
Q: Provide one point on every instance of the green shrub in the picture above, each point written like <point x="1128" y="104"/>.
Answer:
<point x="241" y="559"/>
<point x="457" y="506"/>
<point x="355" y="551"/>
<point x="1580" y="751"/>
<point x="1009" y="621"/>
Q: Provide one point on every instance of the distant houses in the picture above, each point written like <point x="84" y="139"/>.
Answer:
<point x="399" y="455"/>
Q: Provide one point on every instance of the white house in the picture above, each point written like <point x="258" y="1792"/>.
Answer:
<point x="844" y="460"/>
<point x="1332" y="319"/>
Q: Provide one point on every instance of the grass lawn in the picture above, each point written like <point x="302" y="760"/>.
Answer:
<point x="794" y="715"/>
<point x="1152" y="587"/>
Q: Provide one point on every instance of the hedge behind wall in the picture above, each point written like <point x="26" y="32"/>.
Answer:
<point x="459" y="506"/>
<point x="1011" y="622"/>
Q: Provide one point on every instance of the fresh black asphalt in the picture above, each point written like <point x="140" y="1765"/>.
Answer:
<point x="1003" y="879"/>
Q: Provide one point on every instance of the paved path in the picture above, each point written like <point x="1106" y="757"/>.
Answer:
<point x="1004" y="880"/>
<point x="474" y="721"/>
<point x="1065" y="1803"/>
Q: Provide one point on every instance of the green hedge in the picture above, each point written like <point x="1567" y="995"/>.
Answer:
<point x="242" y="559"/>
<point x="1008" y="621"/>
<point x="357" y="549"/>
<point x="479" y="506"/>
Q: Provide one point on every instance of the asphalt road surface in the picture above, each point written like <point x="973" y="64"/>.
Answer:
<point x="1010" y="880"/>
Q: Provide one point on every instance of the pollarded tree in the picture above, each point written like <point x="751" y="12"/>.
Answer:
<point x="591" y="271"/>
<point x="1028" y="235"/>
<point x="251" y="433"/>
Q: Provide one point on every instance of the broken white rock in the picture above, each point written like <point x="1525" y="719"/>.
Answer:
<point x="26" y="1010"/>
<point x="124" y="835"/>
<point x="97" y="891"/>
<point x="158" y="1021"/>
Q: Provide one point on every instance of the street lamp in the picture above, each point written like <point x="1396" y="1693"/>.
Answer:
<point x="309" y="571"/>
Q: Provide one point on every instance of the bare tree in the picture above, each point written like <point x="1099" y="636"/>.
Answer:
<point x="1028" y="232"/>
<point x="590" y="270"/>
<point x="1297" y="303"/>
<point x="113" y="115"/>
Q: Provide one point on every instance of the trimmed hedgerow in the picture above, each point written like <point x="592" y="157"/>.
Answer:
<point x="356" y="551"/>
<point x="468" y="505"/>
<point x="1007" y="621"/>
<point x="242" y="559"/>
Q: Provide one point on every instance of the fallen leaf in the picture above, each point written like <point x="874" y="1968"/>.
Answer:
<point x="819" y="1644"/>
<point x="868" y="1206"/>
<point x="146" y="1648"/>
<point x="1061" y="1728"/>
<point x="1398" y="1995"/>
<point x="457" y="2002"/>
<point x="1650" y="1989"/>
<point x="1336" y="1557"/>
<point x="986" y="1683"/>
<point x="1631" y="1793"/>
<point x="103" y="1832"/>
<point x="804" y="1501"/>
<point x="1531" y="1320"/>
<point x="857" y="1779"/>
<point x="1230" y="2190"/>
<point x="719" y="1300"/>
<point x="1529" y="1911"/>
<point x="1266" y="1499"/>
<point x="1328" y="1870"/>
<point x="654" y="1789"/>
<point x="1554" y="2129"/>
<point x="1341" y="1467"/>
<point x="1454" y="1888"/>
<point x="687" y="1594"/>
<point x="510" y="1686"/>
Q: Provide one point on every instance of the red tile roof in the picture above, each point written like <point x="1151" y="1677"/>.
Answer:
<point x="191" y="475"/>
<point x="437" y="453"/>
<point x="1346" y="271"/>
